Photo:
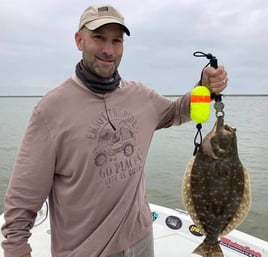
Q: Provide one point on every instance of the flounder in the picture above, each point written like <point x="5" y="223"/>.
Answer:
<point x="216" y="188"/>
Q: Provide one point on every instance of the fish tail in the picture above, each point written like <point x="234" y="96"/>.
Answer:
<point x="208" y="250"/>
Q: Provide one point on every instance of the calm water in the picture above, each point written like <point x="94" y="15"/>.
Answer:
<point x="170" y="152"/>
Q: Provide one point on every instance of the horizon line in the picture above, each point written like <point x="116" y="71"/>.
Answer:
<point x="166" y="95"/>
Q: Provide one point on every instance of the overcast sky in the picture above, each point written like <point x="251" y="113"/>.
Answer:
<point x="38" y="52"/>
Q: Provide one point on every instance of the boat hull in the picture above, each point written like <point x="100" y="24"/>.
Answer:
<point x="175" y="235"/>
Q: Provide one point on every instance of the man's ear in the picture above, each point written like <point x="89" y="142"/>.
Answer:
<point x="78" y="40"/>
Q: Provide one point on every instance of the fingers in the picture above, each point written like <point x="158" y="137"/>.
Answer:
<point x="218" y="87"/>
<point x="215" y="79"/>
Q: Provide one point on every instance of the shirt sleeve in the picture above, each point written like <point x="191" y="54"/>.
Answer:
<point x="29" y="186"/>
<point x="172" y="112"/>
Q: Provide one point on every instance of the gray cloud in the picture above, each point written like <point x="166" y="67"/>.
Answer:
<point x="38" y="52"/>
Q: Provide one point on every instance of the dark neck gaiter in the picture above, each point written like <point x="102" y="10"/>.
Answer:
<point x="95" y="83"/>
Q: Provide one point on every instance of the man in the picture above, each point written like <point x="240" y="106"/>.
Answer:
<point x="85" y="149"/>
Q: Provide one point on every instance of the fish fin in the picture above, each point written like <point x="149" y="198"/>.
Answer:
<point x="208" y="250"/>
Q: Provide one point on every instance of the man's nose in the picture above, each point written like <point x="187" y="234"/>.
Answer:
<point x="108" y="48"/>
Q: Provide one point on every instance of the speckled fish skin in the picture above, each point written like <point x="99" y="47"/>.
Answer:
<point x="216" y="188"/>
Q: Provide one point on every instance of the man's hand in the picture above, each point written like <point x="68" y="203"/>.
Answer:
<point x="215" y="79"/>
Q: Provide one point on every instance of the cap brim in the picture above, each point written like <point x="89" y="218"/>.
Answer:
<point x="101" y="22"/>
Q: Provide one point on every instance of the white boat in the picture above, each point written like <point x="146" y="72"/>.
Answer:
<point x="175" y="235"/>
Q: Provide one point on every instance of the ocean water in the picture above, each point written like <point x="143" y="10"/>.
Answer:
<point x="170" y="152"/>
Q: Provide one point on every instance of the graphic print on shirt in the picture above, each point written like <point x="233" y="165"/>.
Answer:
<point x="117" y="155"/>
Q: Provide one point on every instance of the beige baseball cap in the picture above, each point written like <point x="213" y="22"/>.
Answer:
<point x="96" y="16"/>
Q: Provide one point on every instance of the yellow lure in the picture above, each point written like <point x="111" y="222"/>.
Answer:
<point x="200" y="104"/>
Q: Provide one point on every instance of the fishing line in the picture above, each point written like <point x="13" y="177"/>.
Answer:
<point x="198" y="133"/>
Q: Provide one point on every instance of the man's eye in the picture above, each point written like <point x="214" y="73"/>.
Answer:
<point x="98" y="37"/>
<point x="118" y="40"/>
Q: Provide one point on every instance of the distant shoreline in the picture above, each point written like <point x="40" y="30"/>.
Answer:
<point x="226" y="95"/>
<point x="21" y="96"/>
<point x="239" y="95"/>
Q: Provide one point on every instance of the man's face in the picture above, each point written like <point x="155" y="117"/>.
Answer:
<point x="102" y="49"/>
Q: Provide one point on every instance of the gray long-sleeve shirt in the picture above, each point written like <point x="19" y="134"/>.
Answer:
<point x="91" y="170"/>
